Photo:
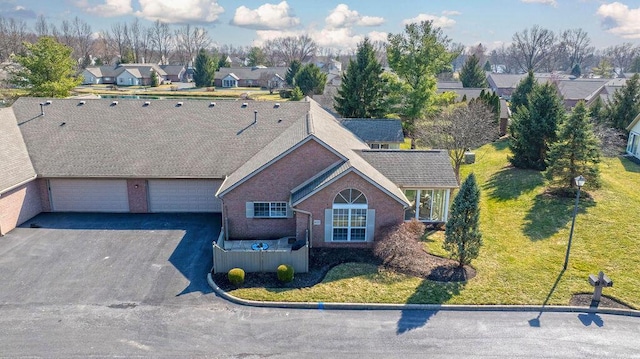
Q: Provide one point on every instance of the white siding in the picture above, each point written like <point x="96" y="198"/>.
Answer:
<point x="184" y="195"/>
<point x="89" y="195"/>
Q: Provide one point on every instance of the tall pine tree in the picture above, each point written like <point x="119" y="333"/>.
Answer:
<point x="576" y="152"/>
<point x="205" y="69"/>
<point x="533" y="128"/>
<point x="361" y="95"/>
<point x="472" y="74"/>
<point x="292" y="71"/>
<point x="625" y="105"/>
<point x="463" y="238"/>
<point x="520" y="95"/>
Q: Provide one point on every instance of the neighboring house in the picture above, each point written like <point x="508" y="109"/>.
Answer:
<point x="271" y="169"/>
<point x="174" y="73"/>
<point x="634" y="138"/>
<point x="123" y="74"/>
<point x="377" y="133"/>
<point x="258" y="76"/>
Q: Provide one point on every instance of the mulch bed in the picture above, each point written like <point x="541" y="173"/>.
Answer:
<point x="584" y="300"/>
<point x="321" y="260"/>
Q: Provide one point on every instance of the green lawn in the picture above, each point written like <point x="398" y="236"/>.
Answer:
<point x="525" y="237"/>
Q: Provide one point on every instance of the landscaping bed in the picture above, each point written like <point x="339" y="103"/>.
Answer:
<point x="321" y="260"/>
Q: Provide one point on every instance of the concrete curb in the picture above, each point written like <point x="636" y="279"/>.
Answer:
<point x="434" y="307"/>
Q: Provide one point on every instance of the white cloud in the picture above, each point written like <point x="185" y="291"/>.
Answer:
<point x="451" y="13"/>
<point x="267" y="16"/>
<point x="378" y="36"/>
<point x="618" y="19"/>
<point x="182" y="11"/>
<point x="342" y="17"/>
<point x="438" y="21"/>
<point x="544" y="2"/>
<point x="110" y="8"/>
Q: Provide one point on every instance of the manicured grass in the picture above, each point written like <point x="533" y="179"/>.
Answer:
<point x="525" y="235"/>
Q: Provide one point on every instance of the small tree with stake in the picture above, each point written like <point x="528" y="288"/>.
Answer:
<point x="462" y="235"/>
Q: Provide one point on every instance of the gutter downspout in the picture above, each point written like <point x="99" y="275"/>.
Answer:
<point x="310" y="223"/>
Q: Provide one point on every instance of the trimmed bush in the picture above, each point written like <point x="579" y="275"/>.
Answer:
<point x="285" y="273"/>
<point x="236" y="276"/>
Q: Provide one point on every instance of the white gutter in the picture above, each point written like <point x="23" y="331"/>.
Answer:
<point x="17" y="185"/>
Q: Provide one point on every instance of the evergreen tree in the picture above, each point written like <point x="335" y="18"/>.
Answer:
<point x="604" y="69"/>
<point x="155" y="81"/>
<point x="205" y="69"/>
<point x="223" y="61"/>
<point x="296" y="94"/>
<point x="487" y="66"/>
<point x="576" y="71"/>
<point x="625" y="105"/>
<point x="472" y="74"/>
<point x="292" y="71"/>
<point x="576" y="152"/>
<point x="46" y="69"/>
<point x="360" y="94"/>
<point x="463" y="238"/>
<point x="597" y="111"/>
<point x="492" y="101"/>
<point x="256" y="57"/>
<point x="520" y="95"/>
<point x="310" y="80"/>
<point x="533" y="128"/>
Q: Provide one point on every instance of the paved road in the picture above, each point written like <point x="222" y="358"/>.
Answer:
<point x="149" y="299"/>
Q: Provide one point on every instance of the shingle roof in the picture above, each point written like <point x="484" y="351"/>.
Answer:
<point x="320" y="181"/>
<point x="251" y="73"/>
<point x="375" y="130"/>
<point x="320" y="126"/>
<point x="172" y="69"/>
<point x="415" y="168"/>
<point x="15" y="165"/>
<point x="159" y="140"/>
<point x="580" y="89"/>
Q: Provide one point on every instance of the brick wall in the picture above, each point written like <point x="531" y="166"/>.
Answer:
<point x="274" y="184"/>
<point x="388" y="210"/>
<point x="19" y="205"/>
<point x="137" y="191"/>
<point x="43" y="190"/>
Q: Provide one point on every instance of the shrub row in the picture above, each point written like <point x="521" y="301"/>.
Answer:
<point x="284" y="272"/>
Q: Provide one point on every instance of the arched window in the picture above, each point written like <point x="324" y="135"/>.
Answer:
<point x="349" y="216"/>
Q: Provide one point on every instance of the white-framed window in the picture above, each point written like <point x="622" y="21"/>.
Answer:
<point x="632" y="145"/>
<point x="427" y="205"/>
<point x="269" y="209"/>
<point x="349" y="222"/>
<point x="229" y="83"/>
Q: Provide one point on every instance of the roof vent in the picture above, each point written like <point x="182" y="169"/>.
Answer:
<point x="255" y="117"/>
<point x="179" y="104"/>
<point x="277" y="105"/>
<point x="212" y="104"/>
<point x="48" y="102"/>
<point x="244" y="104"/>
<point x="147" y="103"/>
<point x="82" y="102"/>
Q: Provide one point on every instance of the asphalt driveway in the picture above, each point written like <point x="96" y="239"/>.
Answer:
<point x="117" y="260"/>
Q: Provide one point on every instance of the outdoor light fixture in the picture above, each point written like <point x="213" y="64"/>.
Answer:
<point x="580" y="181"/>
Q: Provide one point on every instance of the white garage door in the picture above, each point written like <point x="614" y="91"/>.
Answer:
<point x="184" y="196"/>
<point x="89" y="195"/>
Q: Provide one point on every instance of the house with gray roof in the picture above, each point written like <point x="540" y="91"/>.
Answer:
<point x="378" y="133"/>
<point x="124" y="74"/>
<point x="258" y="76"/>
<point x="272" y="170"/>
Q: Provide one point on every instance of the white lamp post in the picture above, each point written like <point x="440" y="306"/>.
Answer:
<point x="579" y="182"/>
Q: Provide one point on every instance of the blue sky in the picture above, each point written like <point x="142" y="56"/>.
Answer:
<point x="342" y="24"/>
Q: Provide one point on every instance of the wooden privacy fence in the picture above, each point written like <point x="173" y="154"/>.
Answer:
<point x="251" y="260"/>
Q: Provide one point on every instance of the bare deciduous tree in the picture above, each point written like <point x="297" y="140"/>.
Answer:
<point x="162" y="40"/>
<point x="12" y="34"/>
<point x="621" y="56"/>
<point x="189" y="41"/>
<point x="576" y="43"/>
<point x="460" y="128"/>
<point x="531" y="47"/>
<point x="287" y="49"/>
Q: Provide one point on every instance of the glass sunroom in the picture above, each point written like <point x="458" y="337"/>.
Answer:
<point x="427" y="205"/>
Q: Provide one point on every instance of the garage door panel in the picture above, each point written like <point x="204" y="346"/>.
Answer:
<point x="89" y="195"/>
<point x="184" y="196"/>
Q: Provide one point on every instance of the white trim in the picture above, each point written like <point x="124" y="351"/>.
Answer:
<point x="17" y="185"/>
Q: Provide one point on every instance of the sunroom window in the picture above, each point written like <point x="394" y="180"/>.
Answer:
<point x="427" y="205"/>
